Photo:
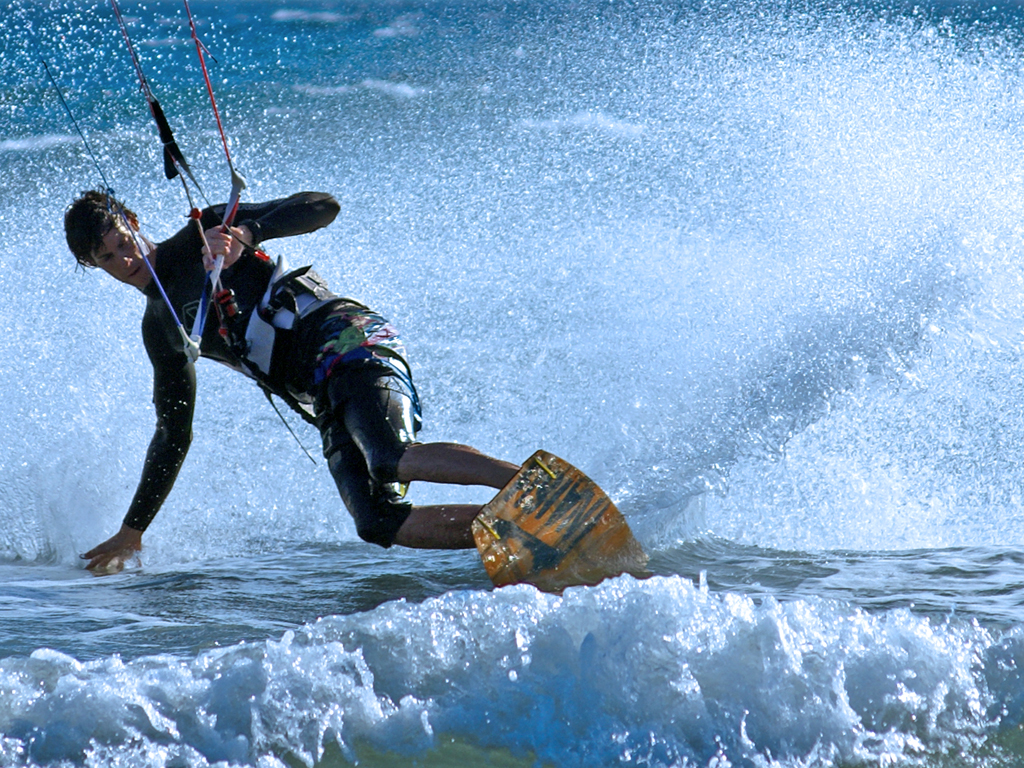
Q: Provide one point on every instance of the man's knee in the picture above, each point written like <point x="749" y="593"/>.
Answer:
<point x="384" y="516"/>
<point x="378" y="510"/>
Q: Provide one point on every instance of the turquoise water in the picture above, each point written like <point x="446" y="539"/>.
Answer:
<point x="754" y="268"/>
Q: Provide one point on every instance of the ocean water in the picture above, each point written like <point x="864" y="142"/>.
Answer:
<point x="755" y="267"/>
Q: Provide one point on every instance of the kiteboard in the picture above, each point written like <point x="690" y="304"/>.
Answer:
<point x="553" y="527"/>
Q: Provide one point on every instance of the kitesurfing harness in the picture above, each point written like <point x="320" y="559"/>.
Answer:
<point x="289" y="297"/>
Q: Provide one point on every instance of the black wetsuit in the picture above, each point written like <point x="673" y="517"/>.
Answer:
<point x="364" y="408"/>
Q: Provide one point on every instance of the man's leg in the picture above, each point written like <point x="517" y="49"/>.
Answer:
<point x="455" y="464"/>
<point x="447" y="526"/>
<point x="375" y="421"/>
<point x="442" y="526"/>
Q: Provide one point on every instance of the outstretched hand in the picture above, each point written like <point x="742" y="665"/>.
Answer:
<point x="112" y="555"/>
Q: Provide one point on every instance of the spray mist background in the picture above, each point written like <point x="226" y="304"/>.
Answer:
<point x="765" y="254"/>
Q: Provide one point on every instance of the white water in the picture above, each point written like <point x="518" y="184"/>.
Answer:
<point x="652" y="673"/>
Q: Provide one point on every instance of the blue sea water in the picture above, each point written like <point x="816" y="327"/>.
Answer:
<point x="755" y="267"/>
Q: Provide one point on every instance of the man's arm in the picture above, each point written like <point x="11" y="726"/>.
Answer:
<point x="295" y="215"/>
<point x="174" y="395"/>
<point x="174" y="389"/>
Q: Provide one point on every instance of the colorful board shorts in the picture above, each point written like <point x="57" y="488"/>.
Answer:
<point x="351" y="333"/>
<point x="368" y="413"/>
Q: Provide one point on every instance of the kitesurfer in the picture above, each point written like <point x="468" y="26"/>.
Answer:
<point x="337" y="362"/>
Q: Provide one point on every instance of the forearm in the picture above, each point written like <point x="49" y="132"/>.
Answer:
<point x="164" y="458"/>
<point x="174" y="397"/>
<point x="295" y="215"/>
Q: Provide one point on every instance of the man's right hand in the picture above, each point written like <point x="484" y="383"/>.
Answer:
<point x="111" y="556"/>
<point x="221" y="242"/>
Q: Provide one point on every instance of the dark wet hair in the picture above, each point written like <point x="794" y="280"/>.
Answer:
<point x="88" y="220"/>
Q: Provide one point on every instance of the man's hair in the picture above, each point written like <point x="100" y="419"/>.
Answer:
<point x="88" y="220"/>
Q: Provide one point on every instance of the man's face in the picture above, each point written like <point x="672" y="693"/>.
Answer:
<point x="119" y="257"/>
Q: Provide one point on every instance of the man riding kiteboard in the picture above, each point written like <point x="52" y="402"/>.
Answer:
<point x="339" y="363"/>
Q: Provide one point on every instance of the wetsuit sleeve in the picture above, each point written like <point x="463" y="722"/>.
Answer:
<point x="296" y="215"/>
<point x="174" y="394"/>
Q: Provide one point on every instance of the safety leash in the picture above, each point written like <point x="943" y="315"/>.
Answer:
<point x="174" y="160"/>
<point x="237" y="182"/>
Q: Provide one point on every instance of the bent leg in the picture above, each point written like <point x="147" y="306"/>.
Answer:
<point x="454" y="464"/>
<point x="363" y="424"/>
<point x="447" y="526"/>
<point x="367" y="425"/>
<point x="442" y="526"/>
<point x="377" y="512"/>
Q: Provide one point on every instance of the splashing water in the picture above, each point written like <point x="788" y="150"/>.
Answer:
<point x="752" y="267"/>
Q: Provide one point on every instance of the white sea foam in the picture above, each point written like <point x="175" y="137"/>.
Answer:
<point x="324" y="90"/>
<point x="164" y="42"/>
<point x="403" y="26"/>
<point x="396" y="90"/>
<point x="657" y="672"/>
<point x="295" y="14"/>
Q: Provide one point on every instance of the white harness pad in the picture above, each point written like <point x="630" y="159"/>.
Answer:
<point x="260" y="334"/>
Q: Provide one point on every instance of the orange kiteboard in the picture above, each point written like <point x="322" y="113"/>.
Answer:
<point x="553" y="527"/>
